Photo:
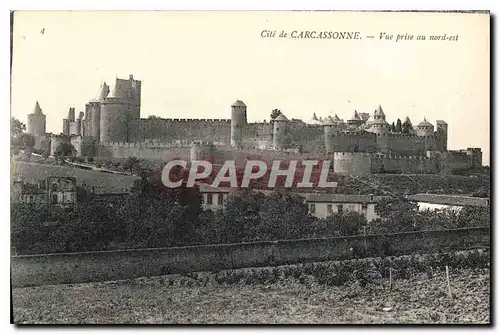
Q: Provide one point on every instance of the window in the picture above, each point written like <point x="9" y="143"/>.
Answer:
<point x="341" y="208"/>
<point x="209" y="199"/>
<point x="32" y="199"/>
<point x="54" y="198"/>
<point x="220" y="201"/>
<point x="329" y="208"/>
<point x="54" y="186"/>
<point x="364" y="206"/>
<point x="313" y="208"/>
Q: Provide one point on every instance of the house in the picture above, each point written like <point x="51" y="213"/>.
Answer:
<point x="435" y="201"/>
<point x="324" y="205"/>
<point x="54" y="191"/>
<point x="213" y="197"/>
<point x="28" y="193"/>
<point x="61" y="191"/>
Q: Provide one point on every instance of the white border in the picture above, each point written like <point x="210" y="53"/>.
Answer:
<point x="8" y="5"/>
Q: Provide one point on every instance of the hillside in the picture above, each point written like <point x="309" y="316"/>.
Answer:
<point x="101" y="182"/>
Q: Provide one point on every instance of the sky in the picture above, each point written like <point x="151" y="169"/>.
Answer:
<point x="196" y="64"/>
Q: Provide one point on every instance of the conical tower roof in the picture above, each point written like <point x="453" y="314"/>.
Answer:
<point x="355" y="116"/>
<point x="336" y="118"/>
<point x="37" y="110"/>
<point x="103" y="92"/>
<point x="314" y="118"/>
<point x="379" y="111"/>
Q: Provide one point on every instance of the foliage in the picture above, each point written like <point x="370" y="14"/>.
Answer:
<point x="407" y="127"/>
<point x="275" y="113"/>
<point x="156" y="216"/>
<point x="399" y="126"/>
<point x="89" y="148"/>
<point x="64" y="150"/>
<point x="132" y="164"/>
<point x="16" y="127"/>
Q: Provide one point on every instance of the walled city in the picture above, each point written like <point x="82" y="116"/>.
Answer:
<point x="364" y="144"/>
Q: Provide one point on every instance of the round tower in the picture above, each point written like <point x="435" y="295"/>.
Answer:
<point x="280" y="129"/>
<point x="37" y="122"/>
<point x="331" y="130"/>
<point x="425" y="130"/>
<point x="379" y="126"/>
<point x="238" y="122"/>
<point x="113" y="121"/>
<point x="355" y="121"/>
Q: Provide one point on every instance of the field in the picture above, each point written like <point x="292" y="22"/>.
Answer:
<point x="283" y="295"/>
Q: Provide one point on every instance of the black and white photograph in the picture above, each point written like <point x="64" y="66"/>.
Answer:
<point x="250" y="167"/>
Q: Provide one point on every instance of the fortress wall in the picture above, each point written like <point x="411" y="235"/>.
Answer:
<point x="166" y="130"/>
<point x="406" y="144"/>
<point x="354" y="142"/>
<point x="164" y="153"/>
<point x="410" y="165"/>
<point x="310" y="137"/>
<point x="352" y="163"/>
<point x="461" y="160"/>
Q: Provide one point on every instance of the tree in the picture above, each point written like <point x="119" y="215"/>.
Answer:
<point x="407" y="126"/>
<point x="16" y="127"/>
<point x="397" y="215"/>
<point x="132" y="164"/>
<point x="399" y="126"/>
<point x="89" y="149"/>
<point x="16" y="131"/>
<point x="64" y="150"/>
<point x="392" y="127"/>
<point x="275" y="113"/>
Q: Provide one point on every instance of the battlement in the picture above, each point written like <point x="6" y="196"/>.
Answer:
<point x="357" y="134"/>
<point x="402" y="135"/>
<point x="349" y="155"/>
<point x="186" y="120"/>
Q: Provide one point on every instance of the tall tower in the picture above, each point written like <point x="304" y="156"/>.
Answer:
<point x="121" y="112"/>
<point x="331" y="129"/>
<point x="238" y="123"/>
<point x="280" y="130"/>
<point x="379" y="126"/>
<point x="425" y="130"/>
<point x="37" y="122"/>
<point x="442" y="132"/>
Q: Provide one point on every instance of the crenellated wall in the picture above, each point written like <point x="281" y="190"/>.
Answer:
<point x="352" y="163"/>
<point x="356" y="141"/>
<point x="404" y="164"/>
<point x="167" y="130"/>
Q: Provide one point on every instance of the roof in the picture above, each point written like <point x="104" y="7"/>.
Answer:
<point x="314" y="118"/>
<point x="355" y="116"/>
<point x="281" y="117"/>
<point x="450" y="200"/>
<point x="103" y="92"/>
<point x="206" y="188"/>
<point x="439" y="121"/>
<point x="342" y="198"/>
<point x="238" y="103"/>
<point x="424" y="123"/>
<point x="37" y="110"/>
<point x="379" y="111"/>
<point x="328" y="121"/>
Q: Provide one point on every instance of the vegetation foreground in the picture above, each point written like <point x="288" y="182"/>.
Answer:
<point x="406" y="289"/>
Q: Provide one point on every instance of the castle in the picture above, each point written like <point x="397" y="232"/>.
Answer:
<point x="363" y="144"/>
